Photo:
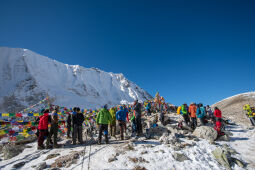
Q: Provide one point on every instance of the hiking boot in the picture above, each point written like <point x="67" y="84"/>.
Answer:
<point x="40" y="147"/>
<point x="99" y="143"/>
<point x="56" y="146"/>
<point x="49" y="147"/>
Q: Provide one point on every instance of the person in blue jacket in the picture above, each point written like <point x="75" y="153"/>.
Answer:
<point x="201" y="113"/>
<point x="148" y="109"/>
<point x="121" y="118"/>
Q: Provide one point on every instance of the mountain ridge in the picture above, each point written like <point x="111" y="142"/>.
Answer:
<point x="27" y="77"/>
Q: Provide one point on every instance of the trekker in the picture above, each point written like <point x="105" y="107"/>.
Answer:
<point x="209" y="112"/>
<point x="69" y="124"/>
<point x="103" y="119"/>
<point x="193" y="117"/>
<point x="121" y="117"/>
<point x="148" y="109"/>
<point x="126" y="111"/>
<point x="53" y="129"/>
<point x="201" y="113"/>
<point x="77" y="120"/>
<point x="43" y="129"/>
<point x="137" y="117"/>
<point x="249" y="113"/>
<point x="113" y="122"/>
<point x="184" y="112"/>
<point x="218" y="120"/>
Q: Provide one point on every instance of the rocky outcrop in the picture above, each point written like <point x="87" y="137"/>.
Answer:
<point x="206" y="132"/>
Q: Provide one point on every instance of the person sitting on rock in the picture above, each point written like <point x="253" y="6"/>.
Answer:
<point x="102" y="120"/>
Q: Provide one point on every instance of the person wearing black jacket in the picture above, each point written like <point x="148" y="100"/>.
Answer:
<point x="138" y="117"/>
<point x="69" y="124"/>
<point x="77" y="120"/>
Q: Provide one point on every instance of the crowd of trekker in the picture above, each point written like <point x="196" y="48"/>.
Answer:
<point x="193" y="115"/>
<point x="74" y="120"/>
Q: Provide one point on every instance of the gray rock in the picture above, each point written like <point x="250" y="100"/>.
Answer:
<point x="205" y="132"/>
<point x="18" y="165"/>
<point x="221" y="157"/>
<point x="10" y="151"/>
<point x="180" y="157"/>
<point x="41" y="166"/>
<point x="112" y="159"/>
<point x="224" y="138"/>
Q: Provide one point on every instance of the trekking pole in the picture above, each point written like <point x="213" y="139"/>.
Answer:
<point x="84" y="152"/>
<point x="89" y="154"/>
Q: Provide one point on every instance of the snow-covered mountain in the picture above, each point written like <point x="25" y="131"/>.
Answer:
<point x="27" y="77"/>
<point x="232" y="107"/>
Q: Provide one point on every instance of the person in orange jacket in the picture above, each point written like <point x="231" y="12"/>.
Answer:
<point x="193" y="117"/>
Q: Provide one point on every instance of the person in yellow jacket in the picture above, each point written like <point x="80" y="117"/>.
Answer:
<point x="249" y="113"/>
<point x="113" y="122"/>
<point x="179" y="110"/>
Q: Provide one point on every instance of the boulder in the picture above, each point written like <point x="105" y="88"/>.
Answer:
<point x="67" y="160"/>
<point x="18" y="165"/>
<point x="221" y="157"/>
<point x="41" y="166"/>
<point x="10" y="151"/>
<point x="156" y="132"/>
<point x="180" y="157"/>
<point x="168" y="139"/>
<point x="224" y="138"/>
<point x="206" y="132"/>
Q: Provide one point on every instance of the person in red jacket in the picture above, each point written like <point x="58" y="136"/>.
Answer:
<point x="43" y="128"/>
<point x="218" y="116"/>
<point x="217" y="113"/>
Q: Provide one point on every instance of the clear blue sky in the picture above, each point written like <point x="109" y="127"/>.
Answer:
<point x="201" y="51"/>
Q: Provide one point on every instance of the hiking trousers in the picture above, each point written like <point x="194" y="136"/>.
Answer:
<point x="68" y="130"/>
<point x="193" y="122"/>
<point x="103" y="129"/>
<point x="252" y="119"/>
<point x="53" y="132"/>
<point x="77" y="131"/>
<point x="122" y="125"/>
<point x="41" y="137"/>
<point x="139" y="125"/>
<point x="113" y="129"/>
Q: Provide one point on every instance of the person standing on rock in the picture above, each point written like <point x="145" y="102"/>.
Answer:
<point x="201" y="114"/>
<point x="77" y="120"/>
<point x="138" y="117"/>
<point x="43" y="128"/>
<point x="218" y="120"/>
<point x="249" y="113"/>
<point x="148" y="108"/>
<point x="113" y="122"/>
<point x="53" y="129"/>
<point x="184" y="113"/>
<point x="127" y="116"/>
<point x="121" y="117"/>
<point x="193" y="117"/>
<point x="102" y="120"/>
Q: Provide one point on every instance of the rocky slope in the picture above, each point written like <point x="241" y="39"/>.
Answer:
<point x="27" y="77"/>
<point x="232" y="107"/>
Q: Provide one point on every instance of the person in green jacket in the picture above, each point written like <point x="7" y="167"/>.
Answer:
<point x="113" y="122"/>
<point x="103" y="119"/>
<point x="249" y="113"/>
